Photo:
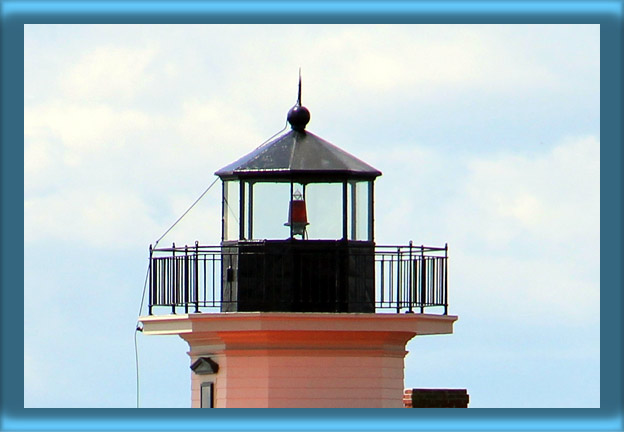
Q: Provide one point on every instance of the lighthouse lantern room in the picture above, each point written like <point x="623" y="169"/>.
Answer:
<point x="298" y="282"/>
<point x="297" y="226"/>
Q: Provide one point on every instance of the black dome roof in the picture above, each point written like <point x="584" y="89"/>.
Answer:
<point x="298" y="153"/>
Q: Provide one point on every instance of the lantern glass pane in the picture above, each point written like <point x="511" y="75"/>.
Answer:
<point x="358" y="208"/>
<point x="362" y="211"/>
<point x="324" y="209"/>
<point x="231" y="202"/>
<point x="270" y="210"/>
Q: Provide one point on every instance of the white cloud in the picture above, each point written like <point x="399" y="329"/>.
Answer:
<point x="407" y="196"/>
<point x="221" y="132"/>
<point x="528" y="231"/>
<point x="110" y="72"/>
<point x="97" y="174"/>
<point x="109" y="219"/>
<point x="383" y="58"/>
<point x="554" y="197"/>
<point x="40" y="157"/>
<point x="428" y="60"/>
<point x="81" y="127"/>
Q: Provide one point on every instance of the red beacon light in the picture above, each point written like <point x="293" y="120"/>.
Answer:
<point x="297" y="215"/>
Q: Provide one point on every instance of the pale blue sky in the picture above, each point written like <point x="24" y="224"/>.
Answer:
<point x="488" y="138"/>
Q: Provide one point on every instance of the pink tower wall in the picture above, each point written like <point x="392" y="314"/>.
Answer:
<point x="289" y="360"/>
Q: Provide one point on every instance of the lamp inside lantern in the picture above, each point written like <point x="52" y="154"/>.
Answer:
<point x="297" y="215"/>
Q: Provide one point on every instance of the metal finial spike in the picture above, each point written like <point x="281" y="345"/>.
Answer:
<point x="298" y="116"/>
<point x="299" y="94"/>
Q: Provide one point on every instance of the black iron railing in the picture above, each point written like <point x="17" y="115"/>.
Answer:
<point x="189" y="279"/>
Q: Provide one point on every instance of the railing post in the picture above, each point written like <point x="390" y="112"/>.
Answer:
<point x="382" y="279"/>
<point x="399" y="287"/>
<point x="197" y="277"/>
<point x="187" y="291"/>
<point x="410" y="298"/>
<point x="213" y="260"/>
<point x="446" y="279"/>
<point x="150" y="299"/>
<point x="423" y="279"/>
<point x="174" y="284"/>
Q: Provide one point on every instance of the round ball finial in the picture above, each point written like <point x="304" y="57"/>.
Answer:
<point x="298" y="117"/>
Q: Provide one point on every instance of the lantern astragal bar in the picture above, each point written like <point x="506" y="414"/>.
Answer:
<point x="298" y="282"/>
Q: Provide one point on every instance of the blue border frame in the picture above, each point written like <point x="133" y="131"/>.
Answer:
<point x="17" y="13"/>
